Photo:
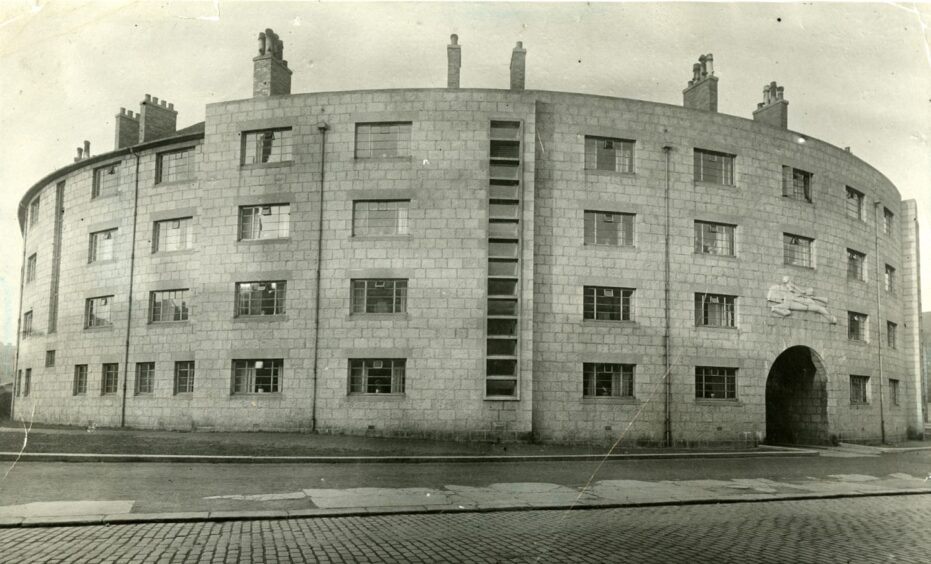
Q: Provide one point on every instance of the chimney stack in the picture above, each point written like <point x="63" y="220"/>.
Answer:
<point x="271" y="75"/>
<point x="156" y="119"/>
<point x="702" y="91"/>
<point x="127" y="129"/>
<point x="518" y="66"/>
<point x="87" y="149"/>
<point x="774" y="109"/>
<point x="454" y="61"/>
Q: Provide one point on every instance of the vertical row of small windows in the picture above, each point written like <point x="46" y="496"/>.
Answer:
<point x="50" y="359"/>
<point x="604" y="153"/>
<point x="888" y="221"/>
<point x="889" y="280"/>
<point x="267" y="146"/>
<point x="857" y="326"/>
<point x="27" y="323"/>
<point x="101" y="245"/>
<point x="34" y="212"/>
<point x="891" y="329"/>
<point x="172" y="235"/>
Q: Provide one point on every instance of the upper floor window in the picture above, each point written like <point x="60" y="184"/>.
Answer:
<point x="608" y="304"/>
<point x="893" y="391"/>
<point x="890" y="280"/>
<point x="27" y="383"/>
<point x="383" y="140"/>
<point x="184" y="377"/>
<point x="891" y="329"/>
<point x="714" y="167"/>
<point x="376" y="375"/>
<point x="173" y="235"/>
<point x="106" y="180"/>
<point x="856" y="265"/>
<point x="855" y="204"/>
<point x="97" y="312"/>
<point x="604" y="153"/>
<point x="145" y="378"/>
<point x="859" y="390"/>
<point x="714" y="382"/>
<point x="260" y="298"/>
<point x="379" y="296"/>
<point x="27" y="323"/>
<point x="169" y="305"/>
<point x="101" y="245"/>
<point x="110" y="379"/>
<point x="380" y="217"/>
<point x="174" y="166"/>
<point x="714" y="238"/>
<point x="257" y="376"/>
<point x="796" y="184"/>
<point x="856" y="326"/>
<point x="714" y="310"/>
<point x="264" y="222"/>
<point x="267" y="146"/>
<point x="888" y="221"/>
<point x="796" y="250"/>
<point x="31" y="268"/>
<point x="609" y="228"/>
<point x="607" y="380"/>
<point x="34" y="212"/>
<point x="50" y="359"/>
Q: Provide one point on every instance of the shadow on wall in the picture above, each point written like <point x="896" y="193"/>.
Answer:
<point x="6" y="400"/>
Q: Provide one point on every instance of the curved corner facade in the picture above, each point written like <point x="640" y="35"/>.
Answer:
<point x="474" y="264"/>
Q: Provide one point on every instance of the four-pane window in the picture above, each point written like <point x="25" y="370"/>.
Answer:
<point x="376" y="375"/>
<point x="380" y="217"/>
<point x="378" y="295"/>
<point x="796" y="250"/>
<point x="175" y="166"/>
<point x="796" y="184"/>
<point x="714" y="238"/>
<point x="604" y="153"/>
<point x="257" y="376"/>
<point x="260" y="298"/>
<point x="608" y="304"/>
<point x="859" y="390"/>
<point x="714" y="167"/>
<point x="712" y="382"/>
<point x="267" y="146"/>
<point x="856" y="326"/>
<point x="106" y="180"/>
<point x="109" y="379"/>
<point x="184" y="377"/>
<point x="609" y="228"/>
<point x="97" y="312"/>
<point x="145" y="378"/>
<point x="101" y="245"/>
<point x="714" y="310"/>
<point x="169" y="305"/>
<point x="855" y="204"/>
<point x="173" y="235"/>
<point x="383" y="140"/>
<point x="856" y="265"/>
<point x="607" y="380"/>
<point x="271" y="221"/>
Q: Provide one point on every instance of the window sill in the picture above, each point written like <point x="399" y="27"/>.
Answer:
<point x="595" y="246"/>
<point x="394" y="237"/>
<point x="408" y="158"/>
<point x="501" y="398"/>
<point x="718" y="327"/>
<point x="248" y="242"/>
<point x="102" y="263"/>
<point x="377" y="316"/>
<point x="166" y="254"/>
<point x="168" y="323"/>
<point x="861" y="405"/>
<point x="354" y="396"/>
<point x="797" y="200"/>
<point x="253" y="318"/>
<point x="251" y="396"/>
<point x="705" y="184"/>
<point x="184" y="395"/>
<point x="259" y="166"/>
<point x="799" y="266"/>
<point x="609" y="173"/>
<point x="860" y="342"/>
<point x="609" y="323"/>
<point x="176" y="182"/>
<point x="97" y="329"/>
<point x="143" y="395"/>
<point x="622" y="400"/>
<point x="719" y="402"/>
<point x="113" y="194"/>
<point x="716" y="256"/>
<point x="856" y="281"/>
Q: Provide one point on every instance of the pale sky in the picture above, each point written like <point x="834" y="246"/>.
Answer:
<point x="855" y="75"/>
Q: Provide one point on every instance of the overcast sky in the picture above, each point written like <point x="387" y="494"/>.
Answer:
<point x="855" y="75"/>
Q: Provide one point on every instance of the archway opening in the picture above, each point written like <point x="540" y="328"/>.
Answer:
<point x="797" y="398"/>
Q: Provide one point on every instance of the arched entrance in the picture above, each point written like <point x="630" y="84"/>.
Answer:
<point x="797" y="398"/>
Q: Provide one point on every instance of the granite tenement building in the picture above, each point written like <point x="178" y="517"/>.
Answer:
<point x="472" y="263"/>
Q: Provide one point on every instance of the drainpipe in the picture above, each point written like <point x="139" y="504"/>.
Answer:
<point x="879" y="328"/>
<point x="666" y="344"/>
<point x="129" y="309"/>
<point x="322" y="127"/>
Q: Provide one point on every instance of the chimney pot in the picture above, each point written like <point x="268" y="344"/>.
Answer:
<point x="709" y="63"/>
<point x="453" y="62"/>
<point x="518" y="66"/>
<point x="148" y="98"/>
<point x="80" y="152"/>
<point x="87" y="149"/>
<point x="454" y="39"/>
<point x="270" y="74"/>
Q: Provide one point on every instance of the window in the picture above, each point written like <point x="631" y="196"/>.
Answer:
<point x="260" y="298"/>
<point x="379" y="296"/>
<point x="607" y="380"/>
<point x="34" y="212"/>
<point x="888" y="221"/>
<point x="890" y="334"/>
<point x="97" y="312"/>
<point x="856" y="263"/>
<point x="174" y="166"/>
<point x="859" y="390"/>
<point x="714" y="310"/>
<point x="714" y="238"/>
<point x="169" y="305"/>
<point x="609" y="228"/>
<point x="379" y="217"/>
<point x="714" y="168"/>
<point x="264" y="222"/>
<point x="184" y="377"/>
<point x="893" y="391"/>
<point x="173" y="235"/>
<point x="376" y="375"/>
<point x="31" y="268"/>
<point x="796" y="184"/>
<point x="889" y="280"/>
<point x="50" y="359"/>
<point x="79" y="385"/>
<point x="257" y="376"/>
<point x="145" y="378"/>
<point x="106" y="180"/>
<point x="27" y="323"/>
<point x="19" y="383"/>
<point x="266" y="146"/>
<point x="383" y="140"/>
<point x="603" y="153"/>
<point x="855" y="204"/>
<point x="856" y="326"/>
<point x="713" y="382"/>
<point x="109" y="379"/>
<point x="101" y="246"/>
<point x="796" y="250"/>
<point x="608" y="304"/>
<point x="27" y="382"/>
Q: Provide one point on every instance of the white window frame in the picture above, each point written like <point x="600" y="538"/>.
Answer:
<point x="361" y="377"/>
<point x="607" y="379"/>
<point x="253" y="220"/>
<point x="164" y="238"/>
<point x="246" y="376"/>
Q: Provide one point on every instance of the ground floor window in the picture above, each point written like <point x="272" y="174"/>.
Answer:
<point x="376" y="375"/>
<point x="859" y="390"/>
<point x="79" y="386"/>
<point x="184" y="377"/>
<point x="109" y="379"/>
<point x="607" y="380"/>
<point x="714" y="382"/>
<point x="255" y="376"/>
<point x="894" y="391"/>
<point x="145" y="377"/>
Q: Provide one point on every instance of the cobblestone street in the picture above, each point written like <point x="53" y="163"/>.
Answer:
<point x="876" y="529"/>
